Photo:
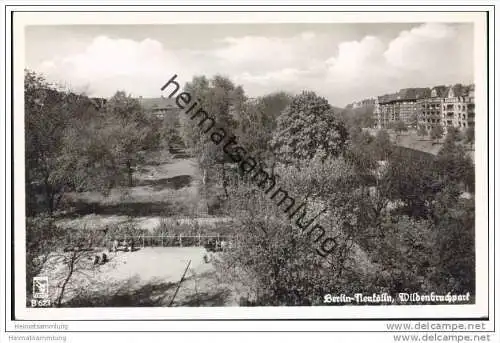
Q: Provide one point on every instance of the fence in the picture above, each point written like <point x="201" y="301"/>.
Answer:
<point x="166" y="240"/>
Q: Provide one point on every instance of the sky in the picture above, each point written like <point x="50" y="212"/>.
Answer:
<point x="342" y="62"/>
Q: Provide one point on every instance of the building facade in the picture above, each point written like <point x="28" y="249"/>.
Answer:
<point x="401" y="106"/>
<point x="160" y="108"/>
<point x="365" y="103"/>
<point x="430" y="108"/>
<point x="459" y="107"/>
<point x="448" y="106"/>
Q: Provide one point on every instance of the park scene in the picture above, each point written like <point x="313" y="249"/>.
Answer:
<point x="130" y="203"/>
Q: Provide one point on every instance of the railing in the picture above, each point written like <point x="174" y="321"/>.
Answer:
<point x="166" y="240"/>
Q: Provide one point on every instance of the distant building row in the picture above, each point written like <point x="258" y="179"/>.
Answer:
<point x="442" y="105"/>
<point x="365" y="103"/>
<point x="159" y="107"/>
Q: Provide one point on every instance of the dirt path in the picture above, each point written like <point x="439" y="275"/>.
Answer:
<point x="147" y="277"/>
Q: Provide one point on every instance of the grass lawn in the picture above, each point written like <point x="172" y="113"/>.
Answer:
<point x="162" y="189"/>
<point x="411" y="140"/>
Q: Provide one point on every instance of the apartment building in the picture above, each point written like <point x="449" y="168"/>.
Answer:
<point x="365" y="103"/>
<point x="459" y="107"/>
<point x="402" y="106"/>
<point x="159" y="107"/>
<point x="431" y="108"/>
<point x="449" y="106"/>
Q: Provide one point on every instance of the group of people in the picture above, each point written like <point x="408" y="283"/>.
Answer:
<point x="101" y="259"/>
<point x="213" y="246"/>
<point x="127" y="245"/>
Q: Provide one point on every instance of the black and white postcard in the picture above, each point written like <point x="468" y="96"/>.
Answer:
<point x="251" y="166"/>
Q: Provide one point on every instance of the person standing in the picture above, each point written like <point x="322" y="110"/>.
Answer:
<point x="114" y="247"/>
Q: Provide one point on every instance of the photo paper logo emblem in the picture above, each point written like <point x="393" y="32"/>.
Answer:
<point x="40" y="287"/>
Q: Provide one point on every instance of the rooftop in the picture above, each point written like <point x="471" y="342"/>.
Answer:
<point x="407" y="94"/>
<point x="157" y="103"/>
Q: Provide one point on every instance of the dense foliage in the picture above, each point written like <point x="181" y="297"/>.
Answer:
<point x="401" y="221"/>
<point x="395" y="213"/>
<point x="73" y="144"/>
<point x="308" y="126"/>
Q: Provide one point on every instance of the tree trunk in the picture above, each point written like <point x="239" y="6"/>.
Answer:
<point x="204" y="176"/>
<point x="49" y="195"/>
<point x="68" y="277"/>
<point x="224" y="180"/>
<point x="50" y="201"/>
<point x="129" y="172"/>
<point x="58" y="199"/>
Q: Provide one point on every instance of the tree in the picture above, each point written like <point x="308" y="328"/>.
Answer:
<point x="169" y="133"/>
<point x="74" y="145"/>
<point x="360" y="153"/>
<point x="436" y="133"/>
<point x="399" y="126"/>
<point x="224" y="102"/>
<point x="258" y="121"/>
<point x="453" y="134"/>
<point x="413" y="180"/>
<point x="469" y="135"/>
<point x="405" y="250"/>
<point x="41" y="238"/>
<point x="198" y="88"/>
<point x="276" y="261"/>
<point x="454" y="165"/>
<point x="128" y="133"/>
<point x="62" y="252"/>
<point x="307" y="127"/>
<point x="271" y="106"/>
<point x="382" y="145"/>
<point x="361" y="117"/>
<point x="454" y="221"/>
<point x="78" y="260"/>
<point x="52" y="167"/>
<point x="422" y="131"/>
<point x="413" y="123"/>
